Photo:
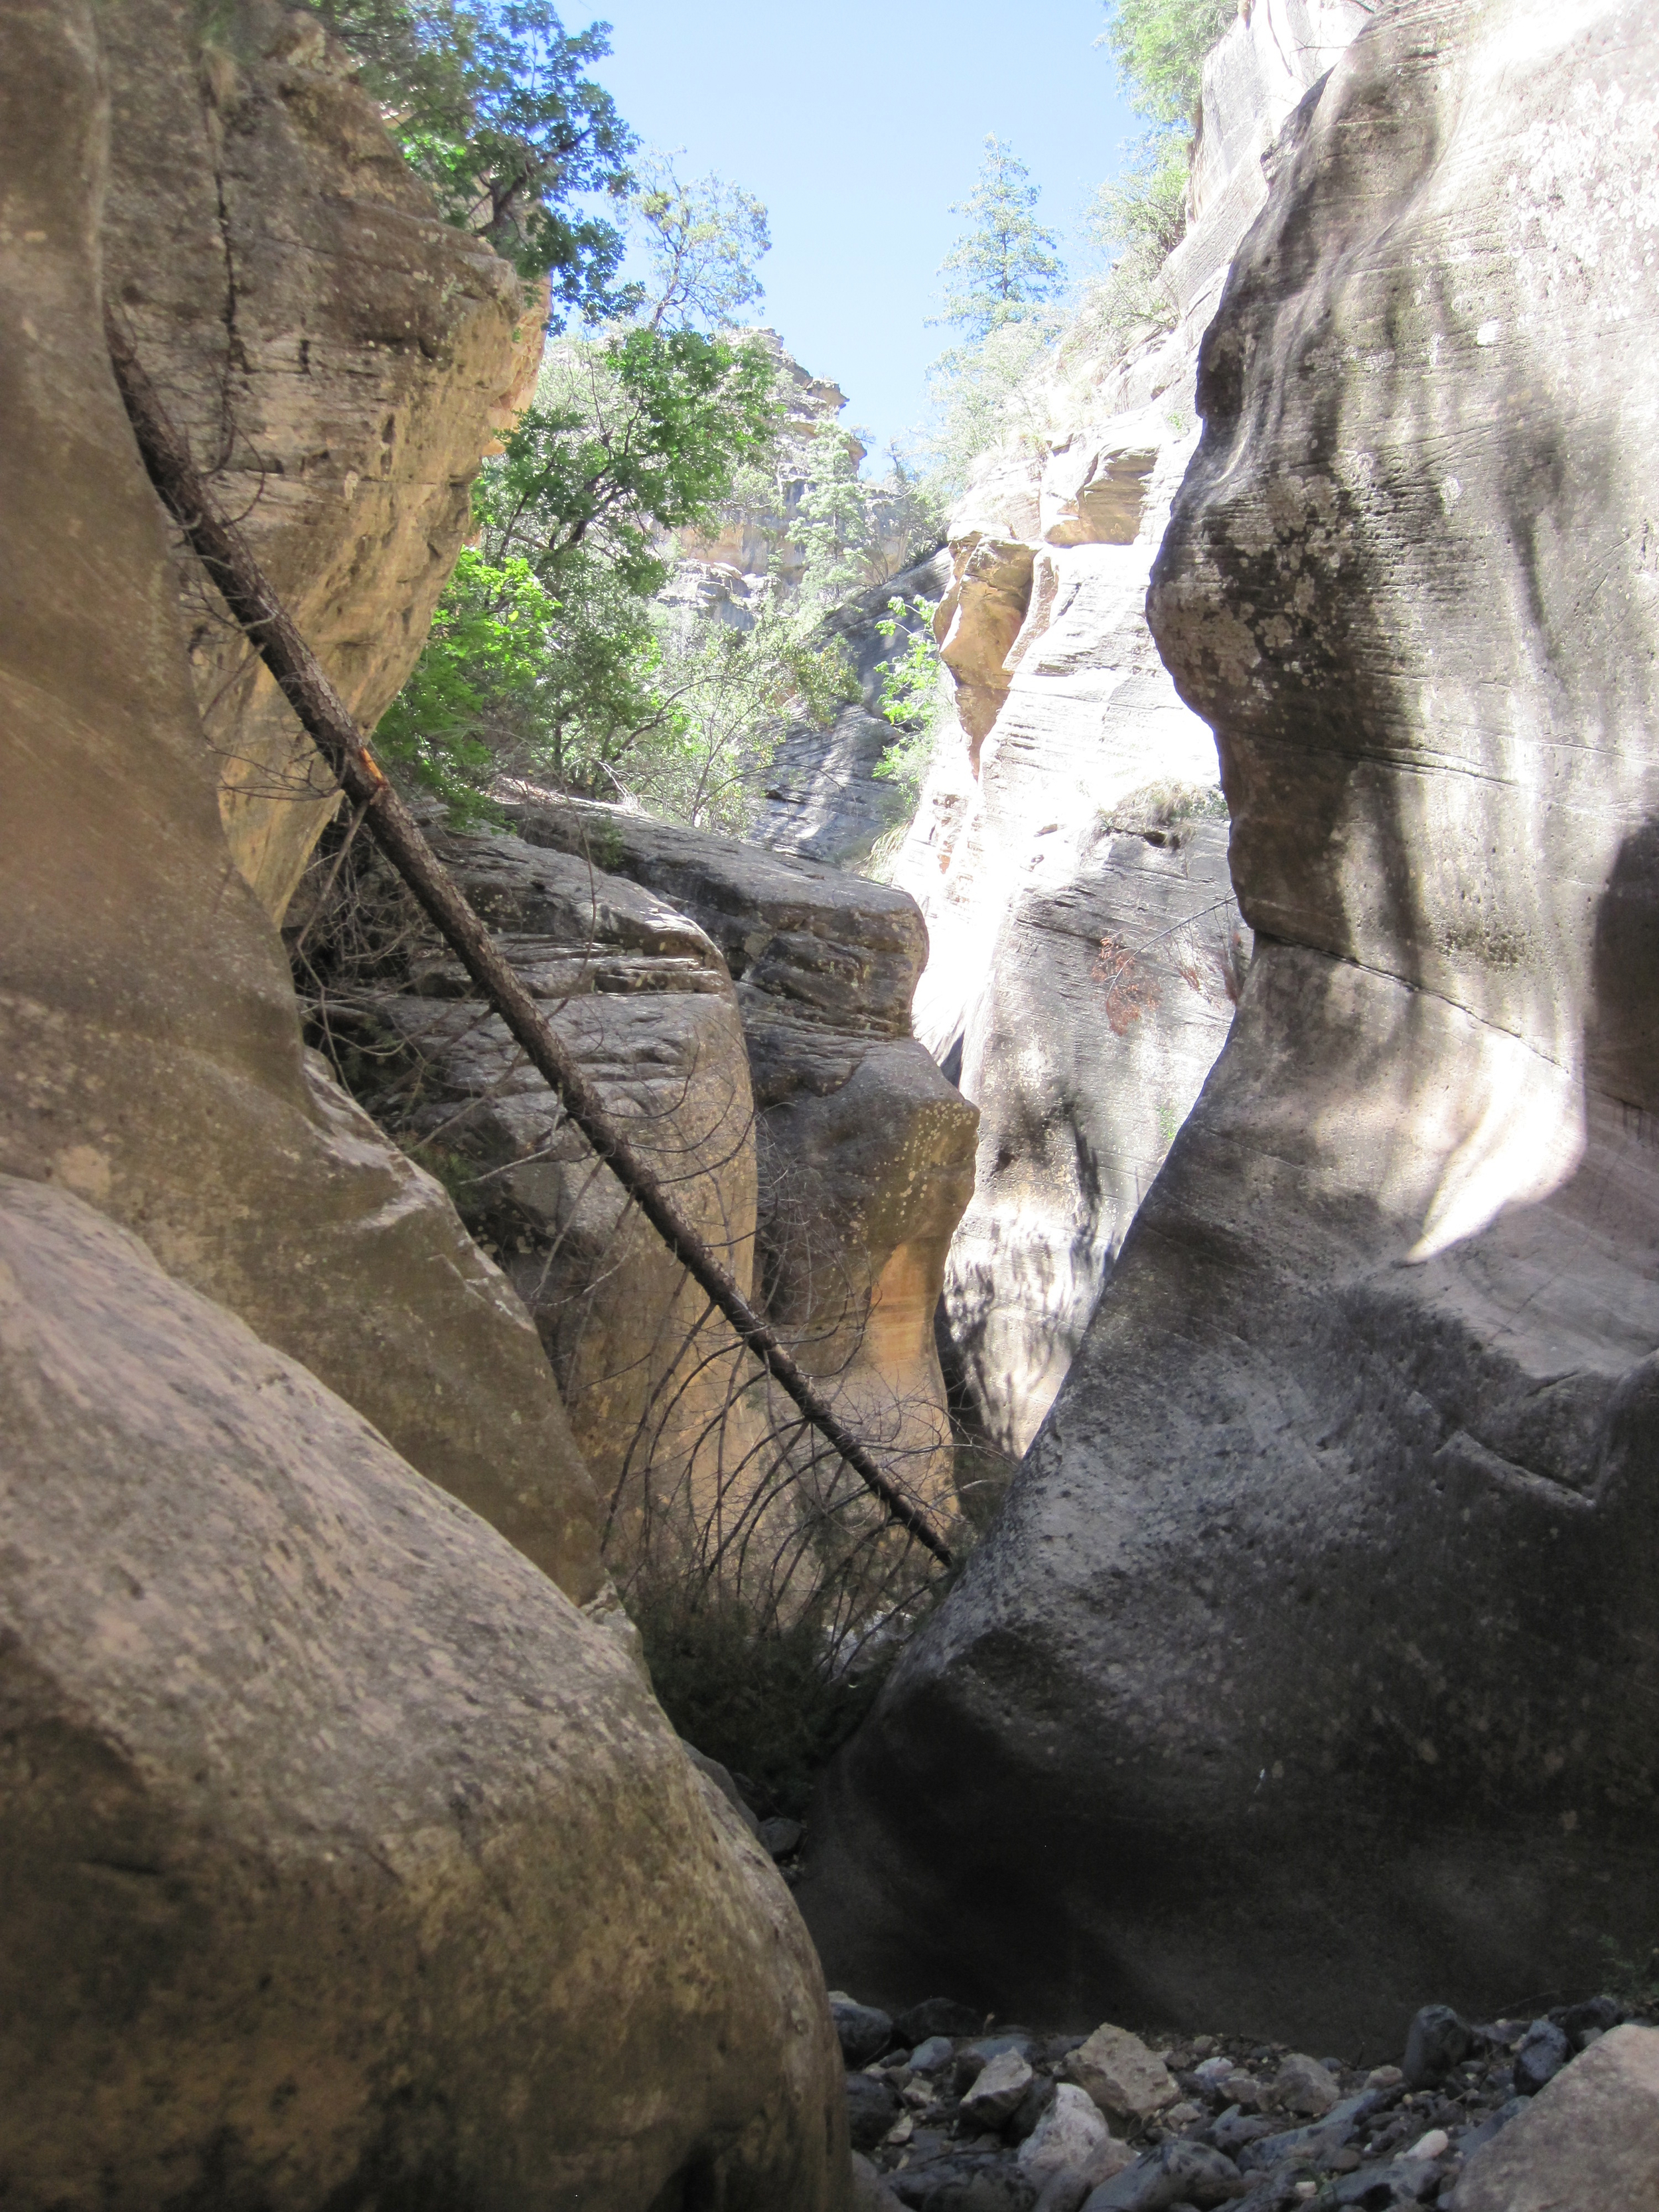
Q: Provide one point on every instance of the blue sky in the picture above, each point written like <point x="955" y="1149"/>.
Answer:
<point x="858" y="123"/>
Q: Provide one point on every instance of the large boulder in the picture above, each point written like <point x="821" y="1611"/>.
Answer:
<point x="655" y="1384"/>
<point x="344" y="1862"/>
<point x="151" y="1055"/>
<point x="864" y="1151"/>
<point x="1316" y="1643"/>
<point x="337" y="357"/>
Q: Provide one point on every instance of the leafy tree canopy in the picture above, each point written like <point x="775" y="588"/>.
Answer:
<point x="703" y="240"/>
<point x="1159" y="47"/>
<point x="1005" y="268"/>
<point x="491" y="104"/>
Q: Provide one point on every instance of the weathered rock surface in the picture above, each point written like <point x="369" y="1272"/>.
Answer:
<point x="864" y="1151"/>
<point x="1315" y="1638"/>
<point x="150" y="1056"/>
<point x="1591" y="2136"/>
<point x="337" y="355"/>
<point x="1082" y="987"/>
<point x="343" y="1861"/>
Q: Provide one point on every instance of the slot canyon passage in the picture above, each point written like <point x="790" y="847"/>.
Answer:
<point x="1199" y="1136"/>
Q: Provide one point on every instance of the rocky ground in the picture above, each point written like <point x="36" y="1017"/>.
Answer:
<point x="952" y="2113"/>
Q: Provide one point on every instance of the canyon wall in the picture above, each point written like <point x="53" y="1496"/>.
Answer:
<point x="747" y="1015"/>
<point x="1069" y="852"/>
<point x="346" y="1858"/>
<point x="1316" y="1640"/>
<point x="337" y="357"/>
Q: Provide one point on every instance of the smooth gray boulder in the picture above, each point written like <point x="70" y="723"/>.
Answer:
<point x="1311" y="1666"/>
<point x="342" y="1861"/>
<point x="1589" y="2137"/>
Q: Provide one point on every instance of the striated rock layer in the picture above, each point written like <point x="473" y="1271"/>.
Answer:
<point x="748" y="1016"/>
<point x="1069" y="850"/>
<point x="1316" y="1643"/>
<point x="337" y="355"/>
<point x="345" y="1861"/>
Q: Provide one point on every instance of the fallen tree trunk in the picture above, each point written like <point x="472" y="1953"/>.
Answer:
<point x="332" y="728"/>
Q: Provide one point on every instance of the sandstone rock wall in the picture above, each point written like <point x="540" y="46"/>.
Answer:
<point x="1082" y="972"/>
<point x="151" y="1045"/>
<point x="1315" y="1637"/>
<point x="344" y="1860"/>
<point x="863" y="1153"/>
<point x="748" y="1017"/>
<point x="337" y="357"/>
<point x="822" y="799"/>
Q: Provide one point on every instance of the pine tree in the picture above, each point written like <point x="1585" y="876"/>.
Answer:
<point x="1005" y="268"/>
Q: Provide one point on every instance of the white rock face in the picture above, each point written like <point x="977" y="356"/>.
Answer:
<point x="1070" y="853"/>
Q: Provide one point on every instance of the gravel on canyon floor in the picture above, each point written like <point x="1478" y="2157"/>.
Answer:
<point x="951" y="2113"/>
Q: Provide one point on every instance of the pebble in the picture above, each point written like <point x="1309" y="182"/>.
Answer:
<point x="865" y="2032"/>
<point x="1544" y="2051"/>
<point x="1303" y="2085"/>
<point x="1068" y="2136"/>
<point x="1002" y="2119"/>
<point x="999" y="2089"/>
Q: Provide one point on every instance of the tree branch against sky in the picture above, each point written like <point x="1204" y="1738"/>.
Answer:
<point x="1007" y="267"/>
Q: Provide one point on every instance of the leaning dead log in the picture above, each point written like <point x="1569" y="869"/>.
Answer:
<point x="225" y="556"/>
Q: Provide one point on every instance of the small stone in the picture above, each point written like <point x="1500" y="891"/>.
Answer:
<point x="1544" y="2051"/>
<point x="901" y="2131"/>
<point x="864" y="2032"/>
<point x="1385" y="2077"/>
<point x="997" y="2093"/>
<point x="1212" y="2073"/>
<point x="1069" y="2134"/>
<point x="1304" y="2086"/>
<point x="1435" y="2144"/>
<point x="932" y="2056"/>
<point x="1243" y="2090"/>
<point x="1181" y="2116"/>
<point x="1176" y="2172"/>
<point x="1437" y="2040"/>
<point x="872" y="2106"/>
<point x="781" y="1836"/>
<point x="1121" y="2073"/>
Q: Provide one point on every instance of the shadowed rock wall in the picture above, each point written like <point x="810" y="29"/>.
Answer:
<point x="1316" y="1643"/>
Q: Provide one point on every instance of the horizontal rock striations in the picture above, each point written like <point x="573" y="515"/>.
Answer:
<point x="1315" y="1644"/>
<point x="337" y="357"/>
<point x="748" y="1016"/>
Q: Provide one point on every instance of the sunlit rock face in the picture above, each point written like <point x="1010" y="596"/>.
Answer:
<point x="1070" y="849"/>
<point x="1316" y="1643"/>
<point x="337" y="357"/>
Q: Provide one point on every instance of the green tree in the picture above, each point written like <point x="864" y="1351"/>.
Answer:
<point x="544" y="660"/>
<point x="703" y="240"/>
<point x="491" y="103"/>
<point x="1159" y="47"/>
<point x="1005" y="268"/>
